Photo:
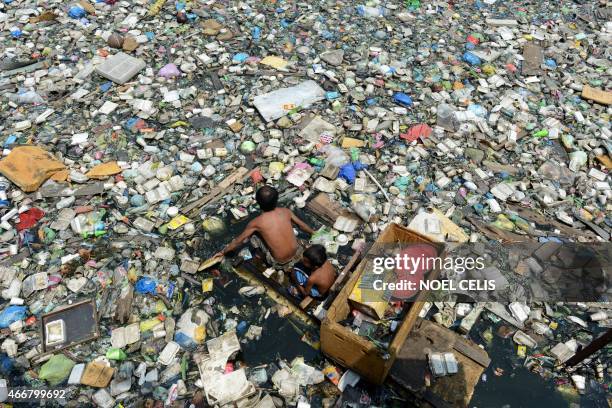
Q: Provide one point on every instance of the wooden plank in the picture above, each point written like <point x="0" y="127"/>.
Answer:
<point x="305" y="304"/>
<point x="328" y="209"/>
<point x="216" y="193"/>
<point x="541" y="219"/>
<point x="596" y="345"/>
<point x="411" y="366"/>
<point x="475" y="353"/>
<point x="342" y="278"/>
<point x="272" y="292"/>
<point x="598" y="95"/>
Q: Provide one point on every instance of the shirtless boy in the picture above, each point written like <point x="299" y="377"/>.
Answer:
<point x="272" y="231"/>
<point x="318" y="276"/>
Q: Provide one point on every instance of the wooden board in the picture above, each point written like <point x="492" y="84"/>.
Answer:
<point x="252" y="274"/>
<point x="349" y="349"/>
<point x="216" y="193"/>
<point x="328" y="209"/>
<point x="411" y="365"/>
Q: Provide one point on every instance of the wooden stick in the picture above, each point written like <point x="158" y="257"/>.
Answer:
<point x="378" y="184"/>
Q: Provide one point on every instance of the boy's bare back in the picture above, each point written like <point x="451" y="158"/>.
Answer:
<point x="324" y="277"/>
<point x="277" y="231"/>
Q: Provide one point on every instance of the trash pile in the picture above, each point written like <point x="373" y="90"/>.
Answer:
<point x="135" y="133"/>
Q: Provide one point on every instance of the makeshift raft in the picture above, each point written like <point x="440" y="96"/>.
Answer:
<point x="408" y="371"/>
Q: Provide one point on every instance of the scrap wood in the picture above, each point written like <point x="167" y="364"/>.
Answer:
<point x="531" y="215"/>
<point x="329" y="210"/>
<point x="192" y="209"/>
<point x="496" y="233"/>
<point x="377" y="184"/>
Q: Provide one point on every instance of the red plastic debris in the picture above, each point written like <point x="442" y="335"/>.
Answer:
<point x="473" y="39"/>
<point x="28" y="219"/>
<point x="256" y="176"/>
<point x="421" y="130"/>
<point x="418" y="258"/>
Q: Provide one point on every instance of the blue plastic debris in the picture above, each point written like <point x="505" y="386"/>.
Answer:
<point x="240" y="57"/>
<point x="331" y="95"/>
<point x="348" y="173"/>
<point x="256" y="33"/>
<point x="12" y="314"/>
<point x="10" y="140"/>
<point x="146" y="285"/>
<point x="76" y="12"/>
<point x="242" y="328"/>
<point x="402" y="99"/>
<point x="471" y="59"/>
<point x="6" y="364"/>
<point x="106" y="86"/>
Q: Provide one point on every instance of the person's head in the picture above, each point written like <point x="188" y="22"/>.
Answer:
<point x="314" y="257"/>
<point x="267" y="197"/>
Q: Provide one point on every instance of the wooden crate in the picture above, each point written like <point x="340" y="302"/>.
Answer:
<point x="358" y="353"/>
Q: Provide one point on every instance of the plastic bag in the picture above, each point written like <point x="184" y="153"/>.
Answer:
<point x="56" y="370"/>
<point x="146" y="285"/>
<point x="6" y="364"/>
<point x="348" y="173"/>
<point x="12" y="314"/>
<point x="321" y="236"/>
<point x="335" y="155"/>
<point x="169" y="71"/>
<point x="213" y="225"/>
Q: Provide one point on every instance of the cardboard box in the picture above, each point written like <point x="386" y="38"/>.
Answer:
<point x="374" y="306"/>
<point x="358" y="353"/>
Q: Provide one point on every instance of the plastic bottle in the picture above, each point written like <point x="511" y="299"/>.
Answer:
<point x="335" y="155"/>
<point x="471" y="59"/>
<point x="577" y="160"/>
<point x="446" y="117"/>
<point x="370" y="12"/>
<point x="25" y="97"/>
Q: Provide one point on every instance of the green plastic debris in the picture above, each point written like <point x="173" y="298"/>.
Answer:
<point x="541" y="133"/>
<point x="56" y="369"/>
<point x="413" y="4"/>
<point x="116" y="354"/>
<point x="247" y="147"/>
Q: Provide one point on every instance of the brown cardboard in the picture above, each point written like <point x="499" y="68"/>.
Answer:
<point x="533" y="59"/>
<point x="97" y="375"/>
<point x="597" y="95"/>
<point x="353" y="351"/>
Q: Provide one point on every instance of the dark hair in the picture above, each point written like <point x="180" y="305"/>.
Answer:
<point x="316" y="255"/>
<point x="267" y="197"/>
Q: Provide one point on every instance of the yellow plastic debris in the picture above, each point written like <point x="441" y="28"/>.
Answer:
<point x="207" y="285"/>
<point x="178" y="222"/>
<point x="349" y="142"/>
<point x="156" y="7"/>
<point x="104" y="170"/>
<point x="29" y="167"/>
<point x="274" y="62"/>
